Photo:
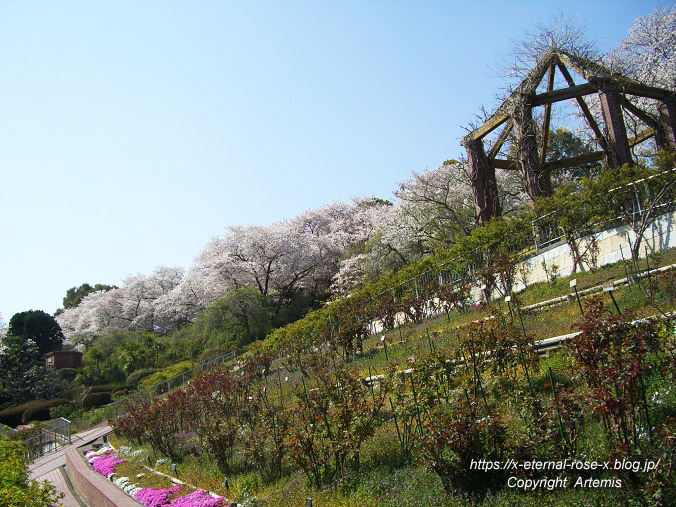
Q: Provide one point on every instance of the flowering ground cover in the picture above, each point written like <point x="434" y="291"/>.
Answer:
<point x="105" y="461"/>
<point x="199" y="498"/>
<point x="151" y="497"/>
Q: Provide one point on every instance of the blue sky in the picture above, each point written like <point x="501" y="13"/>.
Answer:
<point x="131" y="132"/>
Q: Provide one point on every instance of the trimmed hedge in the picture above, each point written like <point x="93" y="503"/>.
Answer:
<point x="93" y="400"/>
<point x="12" y="416"/>
<point x="39" y="410"/>
<point x="75" y="392"/>
<point x="167" y="373"/>
<point x="123" y="387"/>
<point x="36" y="410"/>
<point x="136" y="377"/>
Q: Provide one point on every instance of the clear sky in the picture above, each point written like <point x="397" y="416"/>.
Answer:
<point x="131" y="132"/>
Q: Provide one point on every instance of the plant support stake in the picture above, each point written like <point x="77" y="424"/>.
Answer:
<point x="556" y="402"/>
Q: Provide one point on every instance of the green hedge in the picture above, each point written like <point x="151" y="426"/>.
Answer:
<point x="12" y="416"/>
<point x="166" y="373"/>
<point x="136" y="377"/>
<point x="76" y="392"/>
<point x="67" y="374"/>
<point x="38" y="410"/>
<point x="93" y="400"/>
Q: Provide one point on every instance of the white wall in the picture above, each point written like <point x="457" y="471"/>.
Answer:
<point x="612" y="243"/>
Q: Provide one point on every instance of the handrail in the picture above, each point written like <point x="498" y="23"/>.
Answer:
<point x="152" y="390"/>
<point x="55" y="433"/>
<point x="536" y="244"/>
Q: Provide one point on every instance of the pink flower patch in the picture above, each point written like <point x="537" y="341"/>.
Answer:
<point x="199" y="498"/>
<point x="105" y="465"/>
<point x="151" y="497"/>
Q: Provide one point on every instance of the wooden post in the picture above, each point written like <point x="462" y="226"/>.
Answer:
<point x="484" y="186"/>
<point x="611" y="107"/>
<point x="667" y="110"/>
<point x="536" y="178"/>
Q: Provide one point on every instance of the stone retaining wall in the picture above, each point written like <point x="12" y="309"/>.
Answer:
<point x="95" y="489"/>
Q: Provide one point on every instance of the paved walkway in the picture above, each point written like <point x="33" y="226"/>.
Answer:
<point x="47" y="467"/>
<point x="55" y="477"/>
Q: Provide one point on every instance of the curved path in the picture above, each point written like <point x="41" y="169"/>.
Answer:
<point x="47" y="468"/>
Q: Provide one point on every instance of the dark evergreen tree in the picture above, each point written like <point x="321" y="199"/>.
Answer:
<point x="37" y="327"/>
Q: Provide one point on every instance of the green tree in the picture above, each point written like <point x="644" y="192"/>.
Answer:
<point x="23" y="374"/>
<point x="136" y="353"/>
<point x="571" y="209"/>
<point x="16" y="490"/>
<point x="565" y="144"/>
<point x="18" y="356"/>
<point x="38" y="327"/>
<point x="636" y="194"/>
<point x="239" y="318"/>
<point x="76" y="294"/>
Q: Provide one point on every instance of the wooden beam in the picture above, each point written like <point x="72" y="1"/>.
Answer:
<point x="500" y="141"/>
<point x="548" y="117"/>
<point x="504" y="112"/>
<point x="562" y="163"/>
<point x="601" y="76"/>
<point x="639" y="113"/>
<point x="564" y="94"/>
<point x="588" y="158"/>
<point x="641" y="136"/>
<point x="500" y="163"/>
<point x="644" y="90"/>
<point x="592" y="70"/>
<point x="585" y="110"/>
<point x="493" y="122"/>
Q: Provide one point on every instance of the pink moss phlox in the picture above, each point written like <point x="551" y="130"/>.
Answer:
<point x="105" y="465"/>
<point x="94" y="451"/>
<point x="199" y="498"/>
<point x="151" y="497"/>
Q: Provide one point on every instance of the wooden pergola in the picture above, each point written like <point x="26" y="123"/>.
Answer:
<point x="515" y="116"/>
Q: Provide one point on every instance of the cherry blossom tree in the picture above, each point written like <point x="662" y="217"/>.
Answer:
<point x="439" y="203"/>
<point x="3" y="328"/>
<point x="132" y="306"/>
<point x="648" y="54"/>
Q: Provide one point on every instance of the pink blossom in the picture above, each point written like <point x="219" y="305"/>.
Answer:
<point x="105" y="465"/>
<point x="199" y="498"/>
<point x="151" y="497"/>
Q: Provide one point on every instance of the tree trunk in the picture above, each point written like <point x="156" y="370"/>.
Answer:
<point x="536" y="179"/>
<point x="484" y="185"/>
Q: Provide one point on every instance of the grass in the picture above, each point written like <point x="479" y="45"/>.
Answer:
<point x="390" y="477"/>
<point x="196" y="473"/>
<point x="539" y="324"/>
<point x="413" y="486"/>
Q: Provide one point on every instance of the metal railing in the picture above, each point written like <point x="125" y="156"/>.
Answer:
<point x="7" y="432"/>
<point x="55" y="434"/>
<point x="546" y="233"/>
<point x="116" y="408"/>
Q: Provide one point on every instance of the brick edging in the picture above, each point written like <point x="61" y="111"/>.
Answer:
<point x="92" y="486"/>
